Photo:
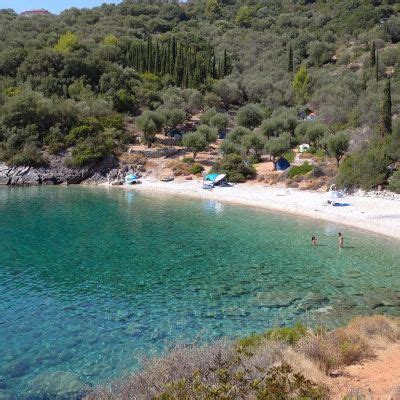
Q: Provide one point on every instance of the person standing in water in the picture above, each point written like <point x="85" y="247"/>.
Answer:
<point x="314" y="241"/>
<point x="340" y="240"/>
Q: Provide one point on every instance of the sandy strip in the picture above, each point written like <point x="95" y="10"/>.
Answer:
<point x="381" y="216"/>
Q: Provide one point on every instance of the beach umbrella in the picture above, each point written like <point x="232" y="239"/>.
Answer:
<point x="211" y="177"/>
<point x="219" y="178"/>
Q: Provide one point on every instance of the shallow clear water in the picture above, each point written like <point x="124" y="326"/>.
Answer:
<point x="92" y="279"/>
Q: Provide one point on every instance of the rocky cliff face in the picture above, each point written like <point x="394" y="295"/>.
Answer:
<point x="57" y="173"/>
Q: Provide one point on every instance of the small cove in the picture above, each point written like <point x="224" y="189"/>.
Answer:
<point x="93" y="279"/>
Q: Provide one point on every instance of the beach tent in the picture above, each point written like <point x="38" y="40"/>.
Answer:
<point x="211" y="177"/>
<point x="222" y="134"/>
<point x="282" y="164"/>
<point x="131" y="178"/>
<point x="311" y="116"/>
<point x="303" y="148"/>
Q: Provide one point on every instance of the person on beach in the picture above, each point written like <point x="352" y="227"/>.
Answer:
<point x="340" y="240"/>
<point x="314" y="241"/>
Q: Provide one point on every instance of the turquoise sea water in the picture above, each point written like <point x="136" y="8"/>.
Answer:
<point x="93" y="279"/>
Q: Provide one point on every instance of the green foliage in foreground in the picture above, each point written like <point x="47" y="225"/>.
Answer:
<point x="279" y="383"/>
<point x="289" y="335"/>
<point x="297" y="170"/>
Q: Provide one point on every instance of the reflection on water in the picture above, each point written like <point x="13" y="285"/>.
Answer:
<point x="213" y="206"/>
<point x="91" y="279"/>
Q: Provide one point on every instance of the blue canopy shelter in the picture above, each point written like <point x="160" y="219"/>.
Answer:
<point x="211" y="177"/>
<point x="282" y="164"/>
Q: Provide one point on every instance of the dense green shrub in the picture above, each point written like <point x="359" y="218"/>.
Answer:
<point x="91" y="149"/>
<point x="196" y="168"/>
<point x="29" y="155"/>
<point x="235" y="168"/>
<point x="289" y="335"/>
<point x="279" y="382"/>
<point x="289" y="155"/>
<point x="394" y="182"/>
<point x="188" y="160"/>
<point x="366" y="168"/>
<point x="297" y="170"/>
<point x="79" y="132"/>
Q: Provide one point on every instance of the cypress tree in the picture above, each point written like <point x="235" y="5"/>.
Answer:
<point x="164" y="67"/>
<point x="149" y="55"/>
<point x="373" y="54"/>
<point x="157" y="59"/>
<point x="290" y="58"/>
<point x="386" y="123"/>
<point x="377" y="66"/>
<point x="174" y="50"/>
<point x="171" y="57"/>
<point x="213" y="67"/>
<point x="364" y="82"/>
<point x="179" y="67"/>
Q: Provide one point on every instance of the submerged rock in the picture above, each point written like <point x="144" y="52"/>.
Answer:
<point x="276" y="300"/>
<point x="3" y="383"/>
<point x="58" y="385"/>
<point x="5" y="395"/>
<point x="135" y="328"/>
<point x="16" y="369"/>
<point x="312" y="301"/>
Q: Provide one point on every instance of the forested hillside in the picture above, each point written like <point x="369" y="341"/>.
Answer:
<point x="67" y="82"/>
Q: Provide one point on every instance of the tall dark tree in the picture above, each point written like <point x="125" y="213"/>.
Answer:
<point x="189" y="66"/>
<point x="373" y="54"/>
<point x="386" y="122"/>
<point x="290" y="58"/>
<point x="377" y="66"/>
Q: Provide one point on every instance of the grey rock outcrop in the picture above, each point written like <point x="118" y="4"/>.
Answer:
<point x="56" y="172"/>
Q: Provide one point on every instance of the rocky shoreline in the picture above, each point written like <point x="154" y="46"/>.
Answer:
<point x="57" y="173"/>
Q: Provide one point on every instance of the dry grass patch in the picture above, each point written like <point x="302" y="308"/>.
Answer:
<point x="179" y="167"/>
<point x="377" y="327"/>
<point x="133" y="159"/>
<point x="283" y="363"/>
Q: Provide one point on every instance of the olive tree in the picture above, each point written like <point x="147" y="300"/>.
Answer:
<point x="195" y="142"/>
<point x="237" y="134"/>
<point x="253" y="143"/>
<point x="338" y="145"/>
<point x="219" y="121"/>
<point x="150" y="123"/>
<point x="276" y="147"/>
<point x="249" y="116"/>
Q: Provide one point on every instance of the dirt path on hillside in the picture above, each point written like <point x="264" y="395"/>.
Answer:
<point x="378" y="378"/>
